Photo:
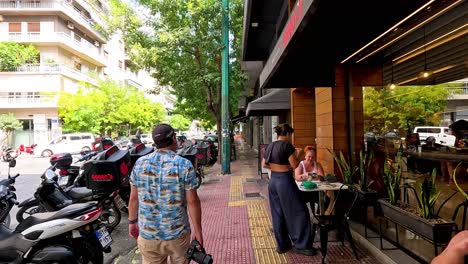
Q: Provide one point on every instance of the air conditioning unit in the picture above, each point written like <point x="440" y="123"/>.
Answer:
<point x="96" y="43"/>
<point x="70" y="25"/>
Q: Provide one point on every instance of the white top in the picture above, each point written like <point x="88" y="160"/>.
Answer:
<point x="304" y="168"/>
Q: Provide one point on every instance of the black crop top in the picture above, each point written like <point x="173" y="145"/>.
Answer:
<point x="278" y="152"/>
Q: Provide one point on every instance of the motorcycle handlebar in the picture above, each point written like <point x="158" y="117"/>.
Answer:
<point x="14" y="201"/>
<point x="87" y="156"/>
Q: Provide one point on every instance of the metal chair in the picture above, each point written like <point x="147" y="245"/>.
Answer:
<point x="346" y="198"/>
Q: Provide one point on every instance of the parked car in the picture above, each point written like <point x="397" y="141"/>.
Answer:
<point x="441" y="134"/>
<point x="146" y="138"/>
<point x="70" y="143"/>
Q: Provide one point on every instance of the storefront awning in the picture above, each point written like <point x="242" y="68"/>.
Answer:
<point x="271" y="104"/>
<point x="239" y="118"/>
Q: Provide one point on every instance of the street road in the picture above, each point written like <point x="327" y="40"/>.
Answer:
<point x="30" y="169"/>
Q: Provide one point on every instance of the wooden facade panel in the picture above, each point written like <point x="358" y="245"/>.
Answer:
<point x="303" y="133"/>
<point x="325" y="142"/>
<point x="325" y="131"/>
<point x="322" y="96"/>
<point x="304" y="141"/>
<point x="340" y="117"/>
<point x="325" y="107"/>
<point x="324" y="119"/>
<point x="339" y="104"/>
<point x="340" y="143"/>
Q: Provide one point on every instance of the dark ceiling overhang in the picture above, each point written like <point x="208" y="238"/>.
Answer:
<point x="271" y="104"/>
<point x="321" y="34"/>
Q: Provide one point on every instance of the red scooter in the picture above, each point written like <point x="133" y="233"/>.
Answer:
<point x="28" y="149"/>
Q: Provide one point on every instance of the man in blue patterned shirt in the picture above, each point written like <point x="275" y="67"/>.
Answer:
<point x="163" y="186"/>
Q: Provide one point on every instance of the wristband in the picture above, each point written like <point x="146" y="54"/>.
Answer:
<point x="131" y="222"/>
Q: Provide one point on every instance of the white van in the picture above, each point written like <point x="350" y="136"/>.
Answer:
<point x="146" y="138"/>
<point x="441" y="135"/>
<point x="70" y="143"/>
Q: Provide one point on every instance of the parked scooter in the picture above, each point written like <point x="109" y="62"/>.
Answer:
<point x="104" y="176"/>
<point x="70" y="235"/>
<point x="190" y="152"/>
<point x="7" y="199"/>
<point x="8" y="153"/>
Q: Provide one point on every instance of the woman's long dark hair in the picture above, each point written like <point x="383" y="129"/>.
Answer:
<point x="283" y="129"/>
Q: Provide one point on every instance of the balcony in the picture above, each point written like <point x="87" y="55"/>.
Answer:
<point x="74" y="44"/>
<point x="23" y="101"/>
<point x="56" y="68"/>
<point x="46" y="7"/>
<point x="458" y="93"/>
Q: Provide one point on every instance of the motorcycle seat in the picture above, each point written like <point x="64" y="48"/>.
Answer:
<point x="68" y="211"/>
<point x="78" y="193"/>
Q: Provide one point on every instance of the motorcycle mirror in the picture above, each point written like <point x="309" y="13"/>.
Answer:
<point x="50" y="174"/>
<point x="12" y="163"/>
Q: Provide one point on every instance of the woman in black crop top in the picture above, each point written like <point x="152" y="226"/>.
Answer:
<point x="290" y="216"/>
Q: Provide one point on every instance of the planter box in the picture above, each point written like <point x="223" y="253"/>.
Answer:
<point x="368" y="197"/>
<point x="435" y="232"/>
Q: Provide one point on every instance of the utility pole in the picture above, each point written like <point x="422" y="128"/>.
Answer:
<point x="226" y="155"/>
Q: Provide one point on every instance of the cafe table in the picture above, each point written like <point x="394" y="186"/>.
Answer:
<point x="322" y="186"/>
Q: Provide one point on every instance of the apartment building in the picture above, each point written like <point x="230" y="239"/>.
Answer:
<point x="71" y="50"/>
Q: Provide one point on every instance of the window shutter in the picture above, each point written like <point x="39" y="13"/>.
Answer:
<point x="14" y="27"/>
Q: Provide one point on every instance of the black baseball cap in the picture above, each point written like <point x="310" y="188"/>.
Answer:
<point x="162" y="135"/>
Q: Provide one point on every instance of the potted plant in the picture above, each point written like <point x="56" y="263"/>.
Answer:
<point x="421" y="220"/>
<point x="346" y="170"/>
<point x="366" y="195"/>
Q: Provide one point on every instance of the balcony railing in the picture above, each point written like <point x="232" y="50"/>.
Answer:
<point x="63" y="5"/>
<point x="28" y="101"/>
<point x="458" y="93"/>
<point x="78" y="43"/>
<point x="56" y="68"/>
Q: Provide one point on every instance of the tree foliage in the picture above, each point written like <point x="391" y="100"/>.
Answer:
<point x="108" y="108"/>
<point x="181" y="44"/>
<point x="8" y="124"/>
<point x="13" y="54"/>
<point x="179" y="122"/>
<point x="404" y="108"/>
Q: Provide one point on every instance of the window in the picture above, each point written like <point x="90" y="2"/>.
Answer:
<point x="34" y="27"/>
<point x="14" y="27"/>
<point x="86" y="137"/>
<point x="75" y="138"/>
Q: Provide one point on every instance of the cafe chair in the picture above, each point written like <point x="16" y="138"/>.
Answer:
<point x="338" y="220"/>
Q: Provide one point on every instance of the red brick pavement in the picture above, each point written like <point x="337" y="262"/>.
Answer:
<point x="226" y="230"/>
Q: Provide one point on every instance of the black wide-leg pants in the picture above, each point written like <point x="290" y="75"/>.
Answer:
<point x="290" y="216"/>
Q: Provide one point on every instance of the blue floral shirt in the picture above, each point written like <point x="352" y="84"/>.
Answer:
<point x="162" y="178"/>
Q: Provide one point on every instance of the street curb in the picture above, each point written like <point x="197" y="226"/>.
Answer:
<point x="376" y="252"/>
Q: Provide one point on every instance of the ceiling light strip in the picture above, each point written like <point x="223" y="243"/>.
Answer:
<point x="411" y="30"/>
<point x="433" y="72"/>
<point x="413" y="53"/>
<point x="389" y="30"/>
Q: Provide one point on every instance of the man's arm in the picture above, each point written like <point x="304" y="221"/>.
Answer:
<point x="133" y="213"/>
<point x="195" y="214"/>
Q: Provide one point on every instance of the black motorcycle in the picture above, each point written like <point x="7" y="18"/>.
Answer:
<point x="7" y="195"/>
<point x="103" y="175"/>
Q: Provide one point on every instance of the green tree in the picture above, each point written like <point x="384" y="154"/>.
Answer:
<point x="405" y="107"/>
<point x="179" y="122"/>
<point x="106" y="108"/>
<point x="13" y="54"/>
<point x="8" y="124"/>
<point x="180" y="43"/>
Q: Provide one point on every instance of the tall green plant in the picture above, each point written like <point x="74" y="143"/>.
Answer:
<point x="428" y="197"/>
<point x="454" y="177"/>
<point x="364" y="168"/>
<point x="347" y="171"/>
<point x="392" y="178"/>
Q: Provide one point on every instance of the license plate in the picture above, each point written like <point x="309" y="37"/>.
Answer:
<point x="63" y="180"/>
<point x="104" y="237"/>
<point x="119" y="202"/>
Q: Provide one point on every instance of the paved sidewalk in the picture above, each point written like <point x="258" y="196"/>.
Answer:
<point x="236" y="220"/>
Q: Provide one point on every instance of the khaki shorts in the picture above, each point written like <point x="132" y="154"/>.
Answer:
<point x="158" y="251"/>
